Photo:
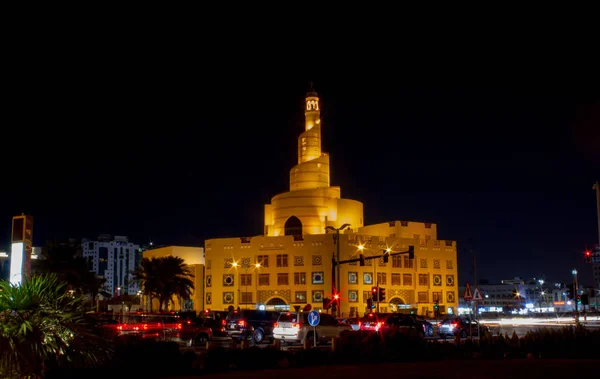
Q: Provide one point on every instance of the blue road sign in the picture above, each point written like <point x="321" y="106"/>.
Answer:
<point x="314" y="318"/>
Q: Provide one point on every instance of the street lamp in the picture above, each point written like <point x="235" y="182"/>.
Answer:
<point x="246" y="268"/>
<point x="388" y="250"/>
<point x="336" y="279"/>
<point x="574" y="272"/>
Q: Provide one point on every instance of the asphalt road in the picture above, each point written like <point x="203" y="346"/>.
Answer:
<point x="506" y="369"/>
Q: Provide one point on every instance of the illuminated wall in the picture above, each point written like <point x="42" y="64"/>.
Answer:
<point x="21" y="248"/>
<point x="194" y="258"/>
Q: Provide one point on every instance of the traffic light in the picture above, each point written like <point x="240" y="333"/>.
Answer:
<point x="386" y="257"/>
<point x="585" y="299"/>
<point x="436" y="305"/>
<point x="570" y="292"/>
<point x="381" y="295"/>
<point x="588" y="256"/>
<point x="411" y="252"/>
<point x="362" y="259"/>
<point x="326" y="303"/>
<point x="374" y="294"/>
<point x="578" y="299"/>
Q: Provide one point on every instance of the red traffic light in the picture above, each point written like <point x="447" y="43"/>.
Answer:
<point x="336" y="296"/>
<point x="374" y="289"/>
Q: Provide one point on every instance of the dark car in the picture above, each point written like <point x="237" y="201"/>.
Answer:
<point x="391" y="322"/>
<point x="251" y="324"/>
<point x="461" y="326"/>
<point x="215" y="320"/>
<point x="428" y="328"/>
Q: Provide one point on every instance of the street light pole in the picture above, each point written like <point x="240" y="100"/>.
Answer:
<point x="575" y="288"/>
<point x="336" y="280"/>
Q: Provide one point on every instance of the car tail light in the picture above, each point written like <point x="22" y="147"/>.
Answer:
<point x="120" y="327"/>
<point x="295" y="325"/>
<point x="179" y="326"/>
<point x="359" y="324"/>
<point x="145" y="326"/>
<point x="378" y="326"/>
<point x="223" y="322"/>
<point x="242" y="323"/>
<point x="276" y="325"/>
<point x="189" y="322"/>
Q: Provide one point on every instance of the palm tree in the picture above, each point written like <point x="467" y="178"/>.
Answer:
<point x="164" y="277"/>
<point x="42" y="325"/>
<point x="65" y="259"/>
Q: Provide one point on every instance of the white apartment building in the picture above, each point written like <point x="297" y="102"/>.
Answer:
<point x="114" y="259"/>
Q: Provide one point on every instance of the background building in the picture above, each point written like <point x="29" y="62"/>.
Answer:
<point x="291" y="266"/>
<point x="194" y="258"/>
<point x="114" y="259"/>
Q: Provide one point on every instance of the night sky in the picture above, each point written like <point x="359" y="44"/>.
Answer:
<point x="503" y="160"/>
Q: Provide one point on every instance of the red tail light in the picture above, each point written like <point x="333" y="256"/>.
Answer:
<point x="242" y="323"/>
<point x="145" y="326"/>
<point x="276" y="325"/>
<point x="189" y="322"/>
<point x="223" y="322"/>
<point x="120" y="327"/>
<point x="295" y="325"/>
<point x="359" y="324"/>
<point x="179" y="326"/>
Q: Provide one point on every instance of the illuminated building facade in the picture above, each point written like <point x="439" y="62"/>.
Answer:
<point x="291" y="265"/>
<point x="114" y="259"/>
<point x="194" y="259"/>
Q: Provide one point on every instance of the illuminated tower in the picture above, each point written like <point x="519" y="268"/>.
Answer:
<point x="312" y="203"/>
<point x="312" y="170"/>
<point x="21" y="248"/>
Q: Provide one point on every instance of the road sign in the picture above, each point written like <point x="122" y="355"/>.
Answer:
<point x="468" y="294"/>
<point x="314" y="318"/>
<point x="477" y="295"/>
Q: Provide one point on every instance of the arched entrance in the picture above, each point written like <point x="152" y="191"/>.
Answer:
<point x="397" y="304"/>
<point x="293" y="227"/>
<point x="277" y="304"/>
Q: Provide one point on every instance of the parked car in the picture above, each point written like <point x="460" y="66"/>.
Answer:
<point x="391" y="321"/>
<point x="373" y="321"/>
<point x="352" y="321"/>
<point x="215" y="320"/>
<point x="428" y="328"/>
<point x="194" y="334"/>
<point x="251" y="324"/>
<point x="294" y="327"/>
<point x="461" y="326"/>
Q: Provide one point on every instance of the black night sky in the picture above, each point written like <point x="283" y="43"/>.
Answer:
<point x="177" y="150"/>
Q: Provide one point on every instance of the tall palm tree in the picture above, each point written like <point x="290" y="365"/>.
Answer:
<point x="42" y="325"/>
<point x="65" y="259"/>
<point x="164" y="277"/>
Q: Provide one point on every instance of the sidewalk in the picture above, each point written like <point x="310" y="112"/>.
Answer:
<point x="466" y="369"/>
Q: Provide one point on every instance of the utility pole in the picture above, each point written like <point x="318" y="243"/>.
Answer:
<point x="597" y="188"/>
<point x="337" y="277"/>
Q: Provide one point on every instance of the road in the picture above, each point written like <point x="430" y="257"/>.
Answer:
<point x="506" y="369"/>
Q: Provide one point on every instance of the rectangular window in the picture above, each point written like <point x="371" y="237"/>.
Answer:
<point x="396" y="281"/>
<point x="408" y="263"/>
<point x="247" y="298"/>
<point x="422" y="297"/>
<point x="300" y="278"/>
<point x="397" y="261"/>
<point x="437" y="296"/>
<point x="366" y="295"/>
<point x="263" y="279"/>
<point x="282" y="260"/>
<point x="245" y="279"/>
<point x="263" y="260"/>
<point x="282" y="279"/>
<point x="300" y="297"/>
<point x="407" y="279"/>
<point x="423" y="279"/>
<point x="381" y="278"/>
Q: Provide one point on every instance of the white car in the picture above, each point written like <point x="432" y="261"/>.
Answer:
<point x="294" y="327"/>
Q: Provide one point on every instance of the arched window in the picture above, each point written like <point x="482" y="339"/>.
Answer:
<point x="293" y="227"/>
